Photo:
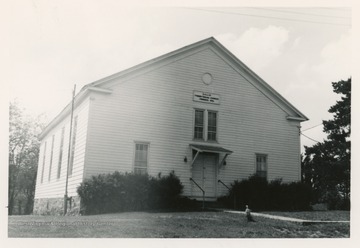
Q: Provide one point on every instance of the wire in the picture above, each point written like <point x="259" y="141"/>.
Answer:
<point x="271" y="17"/>
<point x="300" y="13"/>
<point x="310" y="138"/>
<point x="311" y="127"/>
<point x="335" y="9"/>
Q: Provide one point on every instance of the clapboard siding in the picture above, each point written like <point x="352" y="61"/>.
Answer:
<point x="56" y="186"/>
<point x="158" y="107"/>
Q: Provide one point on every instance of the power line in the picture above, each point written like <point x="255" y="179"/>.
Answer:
<point x="310" y="138"/>
<point x="322" y="123"/>
<point x="335" y="9"/>
<point x="311" y="127"/>
<point x="269" y="17"/>
<point x="300" y="13"/>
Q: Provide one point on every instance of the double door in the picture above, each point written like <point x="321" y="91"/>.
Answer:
<point x="204" y="173"/>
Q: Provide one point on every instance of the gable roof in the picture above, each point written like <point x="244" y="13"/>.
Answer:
<point x="246" y="72"/>
<point x="251" y="76"/>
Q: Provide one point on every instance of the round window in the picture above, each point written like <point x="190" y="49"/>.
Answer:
<point x="207" y="78"/>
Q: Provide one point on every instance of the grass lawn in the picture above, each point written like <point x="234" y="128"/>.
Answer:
<point x="174" y="225"/>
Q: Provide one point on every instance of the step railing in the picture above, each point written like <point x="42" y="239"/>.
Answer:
<point x="203" y="191"/>
<point x="219" y="181"/>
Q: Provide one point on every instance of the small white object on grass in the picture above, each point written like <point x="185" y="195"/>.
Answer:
<point x="248" y="214"/>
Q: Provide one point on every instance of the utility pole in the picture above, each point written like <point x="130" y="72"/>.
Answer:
<point x="69" y="152"/>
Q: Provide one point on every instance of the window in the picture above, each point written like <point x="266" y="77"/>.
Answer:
<point x="51" y="156"/>
<point x="199" y="124"/>
<point x="43" y="165"/>
<point x="141" y="158"/>
<point x="211" y="126"/>
<point x="205" y="126"/>
<point x="261" y="165"/>
<point x="61" y="152"/>
<point x="71" y="165"/>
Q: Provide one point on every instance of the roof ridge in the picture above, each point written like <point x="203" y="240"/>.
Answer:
<point x="232" y="58"/>
<point x="151" y="61"/>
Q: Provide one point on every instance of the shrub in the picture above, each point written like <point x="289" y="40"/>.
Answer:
<point x="164" y="191"/>
<point x="113" y="192"/>
<point x="118" y="192"/>
<point x="261" y="195"/>
<point x="296" y="196"/>
<point x="334" y="200"/>
<point x="251" y="191"/>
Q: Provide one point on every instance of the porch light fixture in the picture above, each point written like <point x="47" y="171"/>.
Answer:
<point x="185" y="159"/>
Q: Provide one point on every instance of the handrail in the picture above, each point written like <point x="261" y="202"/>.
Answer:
<point x="203" y="191"/>
<point x="197" y="185"/>
<point x="219" y="181"/>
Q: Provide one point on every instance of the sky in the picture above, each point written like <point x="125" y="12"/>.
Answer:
<point x="51" y="45"/>
<point x="298" y="47"/>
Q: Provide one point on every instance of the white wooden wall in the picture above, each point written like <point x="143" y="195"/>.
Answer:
<point x="157" y="107"/>
<point x="56" y="187"/>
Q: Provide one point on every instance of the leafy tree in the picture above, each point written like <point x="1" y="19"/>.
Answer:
<point x="23" y="159"/>
<point x="326" y="165"/>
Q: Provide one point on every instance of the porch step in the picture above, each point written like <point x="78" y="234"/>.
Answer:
<point x="200" y="198"/>
<point x="210" y="203"/>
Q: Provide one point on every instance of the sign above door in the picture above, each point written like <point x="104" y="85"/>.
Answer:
<point x="206" y="97"/>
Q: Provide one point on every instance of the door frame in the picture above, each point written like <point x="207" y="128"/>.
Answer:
<point x="203" y="173"/>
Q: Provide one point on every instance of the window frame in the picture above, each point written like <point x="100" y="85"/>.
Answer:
<point x="147" y="158"/>
<point x="51" y="156"/>
<point x="216" y="125"/>
<point x="205" y="131"/>
<point x="43" y="164"/>
<point x="203" y="124"/>
<point x="260" y="172"/>
<point x="73" y="144"/>
<point x="61" y="152"/>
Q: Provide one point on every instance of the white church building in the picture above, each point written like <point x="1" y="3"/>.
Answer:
<point x="197" y="111"/>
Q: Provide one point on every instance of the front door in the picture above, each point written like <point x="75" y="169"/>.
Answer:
<point x="204" y="174"/>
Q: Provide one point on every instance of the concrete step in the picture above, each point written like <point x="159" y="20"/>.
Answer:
<point x="210" y="204"/>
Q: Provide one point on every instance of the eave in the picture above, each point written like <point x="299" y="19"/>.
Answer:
<point x="79" y="98"/>
<point x="252" y="76"/>
<point x="295" y="118"/>
<point x="266" y="89"/>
